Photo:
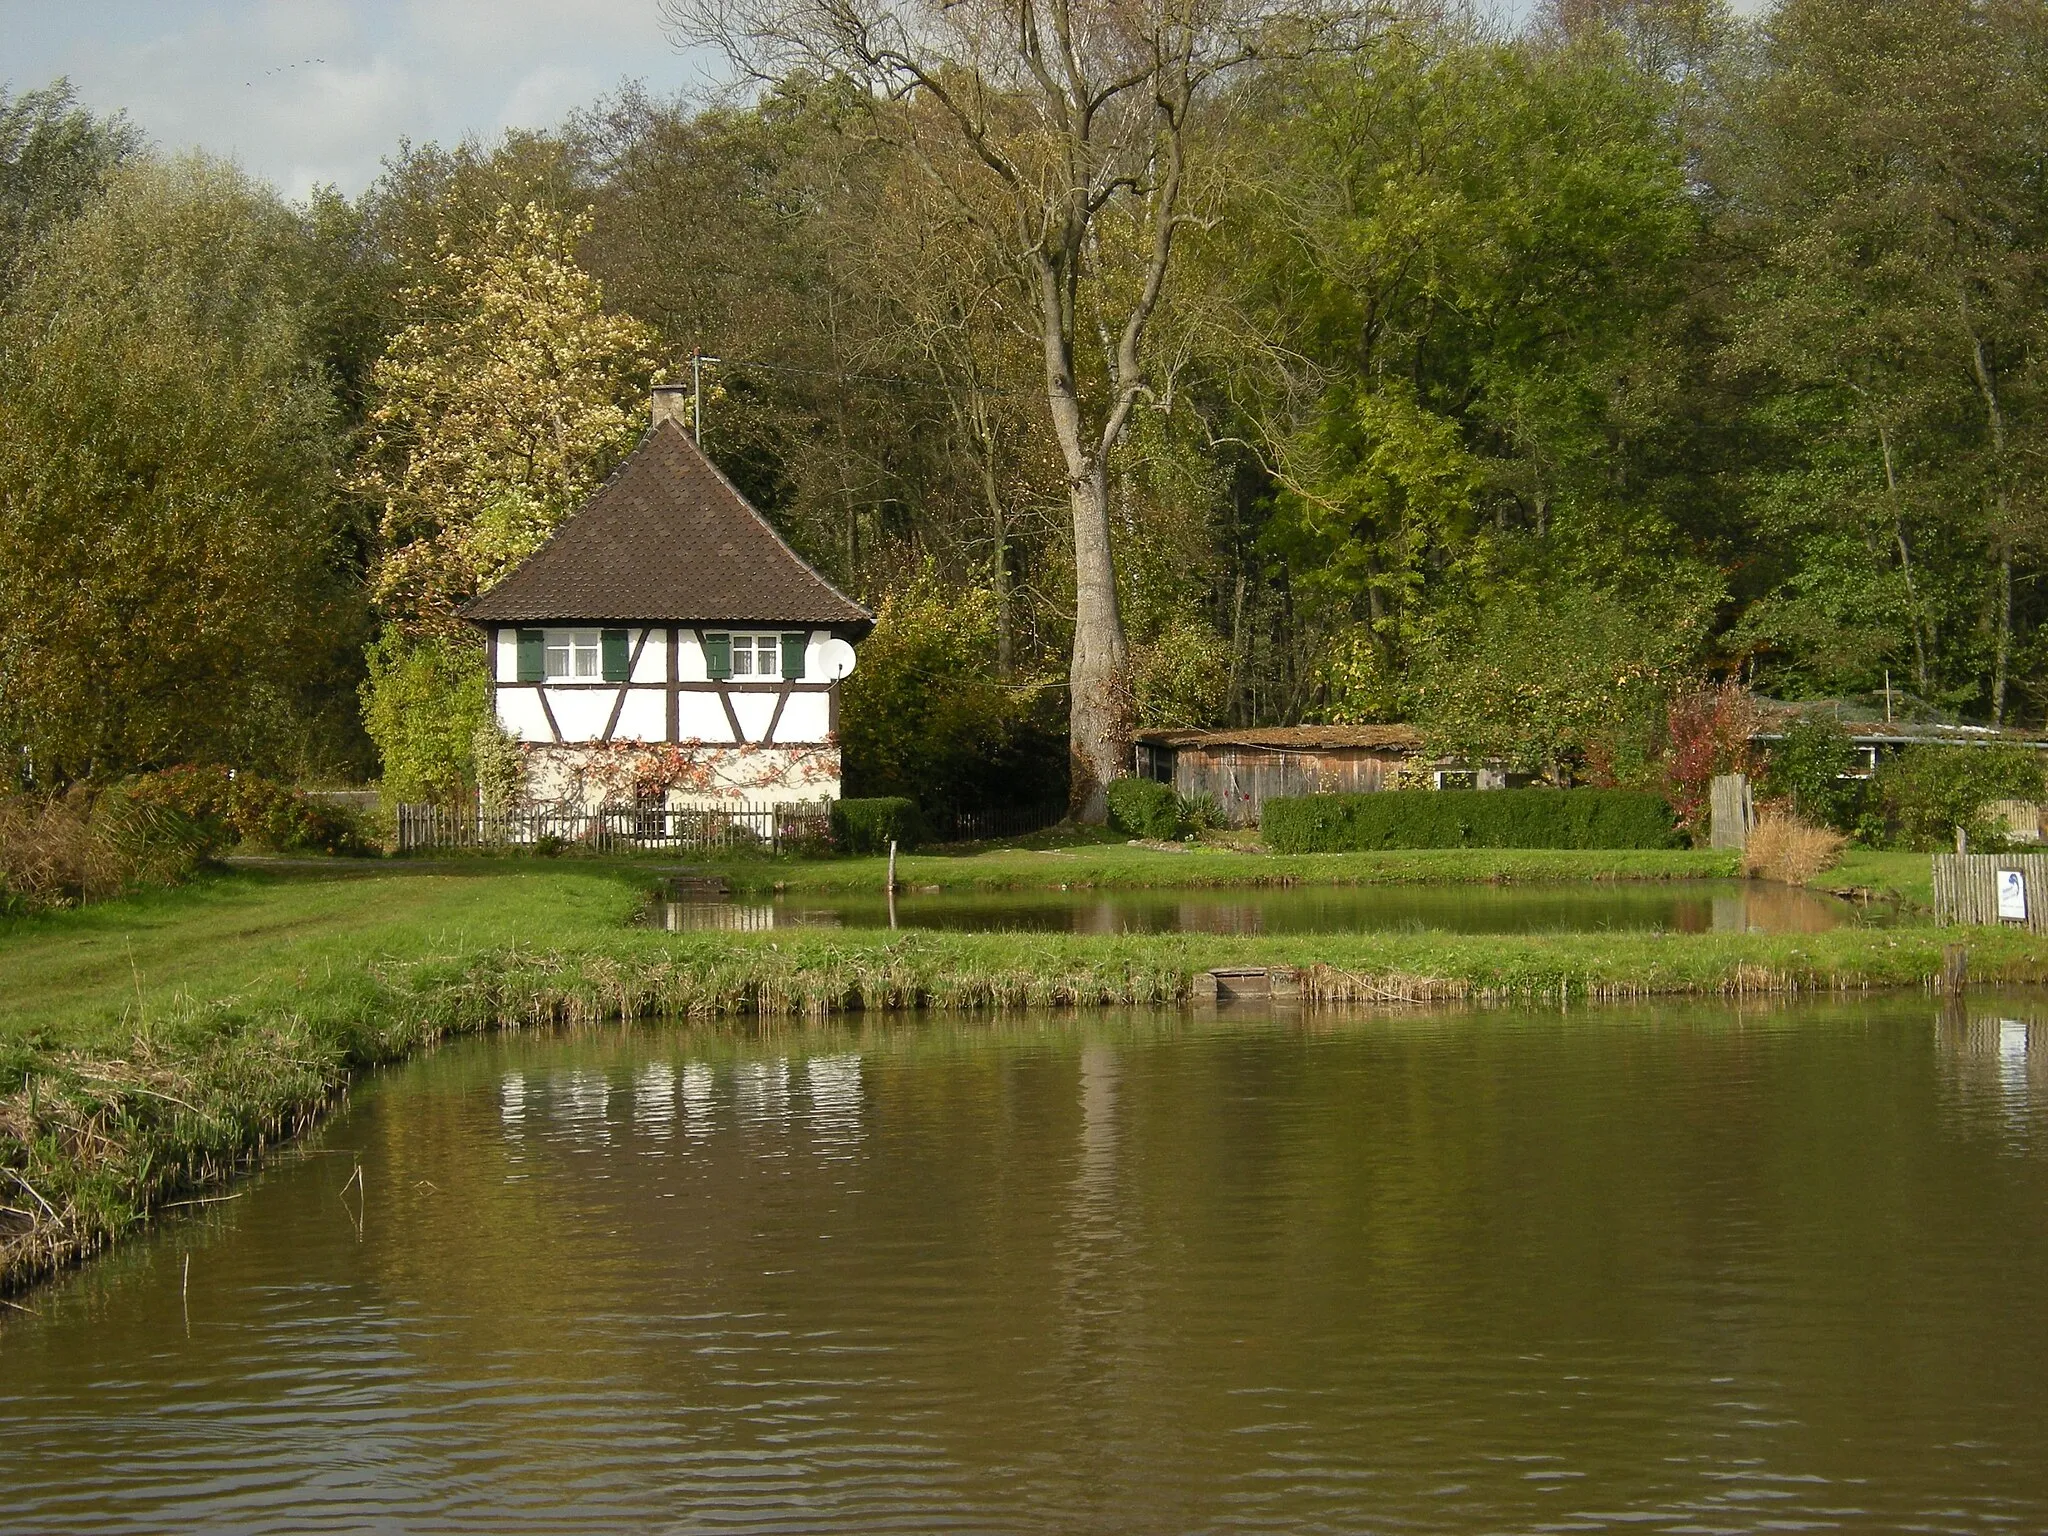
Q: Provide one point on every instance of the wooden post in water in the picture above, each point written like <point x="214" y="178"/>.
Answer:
<point x="892" y="882"/>
<point x="1955" y="969"/>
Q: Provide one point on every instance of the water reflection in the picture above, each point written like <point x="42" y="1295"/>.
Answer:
<point x="1738" y="1269"/>
<point x="1684" y="907"/>
<point x="1997" y="1064"/>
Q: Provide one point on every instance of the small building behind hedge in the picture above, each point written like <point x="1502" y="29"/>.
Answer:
<point x="1242" y="769"/>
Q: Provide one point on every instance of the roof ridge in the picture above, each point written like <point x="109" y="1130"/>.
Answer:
<point x="755" y="512"/>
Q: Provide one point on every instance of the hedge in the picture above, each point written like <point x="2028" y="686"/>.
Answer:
<point x="1144" y="808"/>
<point x="867" y="826"/>
<point x="1469" y="818"/>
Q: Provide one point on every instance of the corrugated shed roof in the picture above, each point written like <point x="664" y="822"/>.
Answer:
<point x="667" y="538"/>
<point x="1295" y="738"/>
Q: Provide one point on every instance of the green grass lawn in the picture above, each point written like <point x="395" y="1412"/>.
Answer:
<point x="90" y="979"/>
<point x="1907" y="877"/>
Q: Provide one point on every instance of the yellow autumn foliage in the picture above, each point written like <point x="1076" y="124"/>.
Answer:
<point x="499" y="408"/>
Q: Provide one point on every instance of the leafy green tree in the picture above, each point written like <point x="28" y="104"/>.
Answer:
<point x="1555" y="683"/>
<point x="425" y="701"/>
<point x="172" y="582"/>
<point x="1460" y="261"/>
<point x="54" y="158"/>
<point x="1886" y="173"/>
<point x="925" y="715"/>
<point x="1811" y="765"/>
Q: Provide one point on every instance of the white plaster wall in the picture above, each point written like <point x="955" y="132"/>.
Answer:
<point x="755" y="710"/>
<point x="690" y="661"/>
<point x="571" y="778"/>
<point x="505" y="657"/>
<point x="519" y="712"/>
<point x="652" y="666"/>
<point x="645" y="717"/>
<point x="582" y="713"/>
<point x="807" y="717"/>
<point x="769" y="776"/>
<point x="700" y="717"/>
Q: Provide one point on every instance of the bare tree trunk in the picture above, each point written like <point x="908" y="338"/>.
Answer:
<point x="1891" y="486"/>
<point x="1099" y="701"/>
<point x="1000" y="524"/>
<point x="1995" y="414"/>
<point x="2002" y="666"/>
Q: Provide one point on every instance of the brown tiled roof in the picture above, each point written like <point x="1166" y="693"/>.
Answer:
<point x="666" y="538"/>
<point x="1295" y="738"/>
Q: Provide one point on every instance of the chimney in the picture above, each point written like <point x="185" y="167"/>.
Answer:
<point x="672" y="403"/>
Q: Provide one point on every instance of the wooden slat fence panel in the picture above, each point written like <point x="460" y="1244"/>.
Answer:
<point x="1966" y="888"/>
<point x="693" y="828"/>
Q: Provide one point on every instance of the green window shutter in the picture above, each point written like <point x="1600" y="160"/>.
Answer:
<point x="793" y="656"/>
<point x="718" y="657"/>
<point x="615" y="659"/>
<point x="533" y="655"/>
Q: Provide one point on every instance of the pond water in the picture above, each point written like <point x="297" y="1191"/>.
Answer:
<point x="1679" y="1269"/>
<point x="1694" y="906"/>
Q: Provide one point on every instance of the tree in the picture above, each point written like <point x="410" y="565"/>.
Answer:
<point x="1064" y="135"/>
<point x="1454" y="272"/>
<point x="173" y="584"/>
<point x="1888" y="177"/>
<point x="925" y="714"/>
<point x="499" y="407"/>
<point x="54" y="158"/>
<point x="1556" y="683"/>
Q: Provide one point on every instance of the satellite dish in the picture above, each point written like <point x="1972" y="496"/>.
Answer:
<point x="835" y="659"/>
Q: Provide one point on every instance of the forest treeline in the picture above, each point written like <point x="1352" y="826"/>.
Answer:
<point x="1510" y="383"/>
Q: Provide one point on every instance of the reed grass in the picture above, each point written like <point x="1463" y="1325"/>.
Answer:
<point x="1784" y="848"/>
<point x="150" y="1047"/>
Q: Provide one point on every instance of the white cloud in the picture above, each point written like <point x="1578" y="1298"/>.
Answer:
<point x="308" y="91"/>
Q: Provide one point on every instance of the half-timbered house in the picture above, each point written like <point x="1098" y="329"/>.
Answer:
<point x="667" y="644"/>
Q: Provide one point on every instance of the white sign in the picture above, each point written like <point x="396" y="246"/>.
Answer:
<point x="2012" y="896"/>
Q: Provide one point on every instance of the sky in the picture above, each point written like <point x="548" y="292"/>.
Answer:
<point x="302" y="92"/>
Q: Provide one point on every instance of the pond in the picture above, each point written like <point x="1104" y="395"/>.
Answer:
<point x="1684" y="1268"/>
<point x="1693" y="906"/>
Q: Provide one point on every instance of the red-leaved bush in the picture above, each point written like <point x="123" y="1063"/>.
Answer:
<point x="1707" y="732"/>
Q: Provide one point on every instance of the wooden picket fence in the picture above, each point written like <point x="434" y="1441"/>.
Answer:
<point x="697" y="829"/>
<point x="1966" y="888"/>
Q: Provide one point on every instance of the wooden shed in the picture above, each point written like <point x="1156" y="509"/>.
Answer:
<point x="1242" y="769"/>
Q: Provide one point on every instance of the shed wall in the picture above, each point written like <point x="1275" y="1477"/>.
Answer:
<point x="1243" y="779"/>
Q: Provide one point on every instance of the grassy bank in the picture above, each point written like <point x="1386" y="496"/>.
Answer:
<point x="1102" y="867"/>
<point x="149" y="1047"/>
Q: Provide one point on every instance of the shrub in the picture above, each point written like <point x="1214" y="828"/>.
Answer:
<point x="1785" y="848"/>
<point x="1469" y="818"/>
<point x="867" y="826"/>
<point x="68" y="849"/>
<point x="1807" y="767"/>
<point x="245" y="807"/>
<point x="1145" y="808"/>
<point x="423" y="704"/>
<point x="925" y="716"/>
<point x="1925" y="793"/>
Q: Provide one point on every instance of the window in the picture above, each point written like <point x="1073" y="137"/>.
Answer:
<point x="575" y="653"/>
<point x="757" y="656"/>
